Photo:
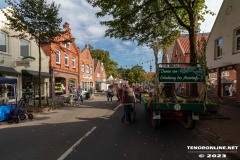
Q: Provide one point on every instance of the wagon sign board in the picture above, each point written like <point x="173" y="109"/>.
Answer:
<point x="188" y="75"/>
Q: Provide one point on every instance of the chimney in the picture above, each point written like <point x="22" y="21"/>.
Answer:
<point x="66" y="26"/>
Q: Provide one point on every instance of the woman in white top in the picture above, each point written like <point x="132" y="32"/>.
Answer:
<point x="109" y="94"/>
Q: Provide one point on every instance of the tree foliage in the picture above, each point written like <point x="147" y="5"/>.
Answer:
<point x="35" y="19"/>
<point x="133" y="75"/>
<point x="155" y="23"/>
<point x="104" y="57"/>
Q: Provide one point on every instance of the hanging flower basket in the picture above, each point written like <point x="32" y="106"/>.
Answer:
<point x="28" y="58"/>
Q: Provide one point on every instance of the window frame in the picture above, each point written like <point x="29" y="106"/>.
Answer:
<point x="217" y="46"/>
<point x="87" y="69"/>
<point x="98" y="74"/>
<point x="91" y="70"/>
<point x="58" y="54"/>
<point x="83" y="67"/>
<point x="66" y="60"/>
<point x="64" y="43"/>
<point x="23" y="40"/>
<point x="6" y="42"/>
<point x="73" y="62"/>
<point x="225" y="73"/>
<point x="68" y="45"/>
<point x="235" y="37"/>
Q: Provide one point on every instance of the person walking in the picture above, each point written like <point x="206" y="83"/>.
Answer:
<point x="226" y="91"/>
<point x="140" y="90"/>
<point x="120" y="94"/>
<point x="109" y="94"/>
<point x="92" y="92"/>
<point x="128" y="101"/>
<point x="79" y="95"/>
<point x="231" y="90"/>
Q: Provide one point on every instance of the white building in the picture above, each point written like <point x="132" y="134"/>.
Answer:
<point x="15" y="64"/>
<point x="223" y="50"/>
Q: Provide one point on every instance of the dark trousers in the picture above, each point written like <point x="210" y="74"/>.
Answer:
<point x="109" y="97"/>
<point x="127" y="112"/>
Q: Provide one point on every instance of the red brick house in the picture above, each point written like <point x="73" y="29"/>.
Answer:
<point x="86" y="72"/>
<point x="99" y="76"/>
<point x="181" y="54"/>
<point x="64" y="66"/>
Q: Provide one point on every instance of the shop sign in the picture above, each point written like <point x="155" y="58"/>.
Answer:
<point x="188" y="75"/>
<point x="23" y="63"/>
<point x="88" y="76"/>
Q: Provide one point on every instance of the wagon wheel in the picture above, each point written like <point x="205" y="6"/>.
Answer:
<point x="188" y="122"/>
<point x="16" y="120"/>
<point x="22" y="116"/>
<point x="30" y="116"/>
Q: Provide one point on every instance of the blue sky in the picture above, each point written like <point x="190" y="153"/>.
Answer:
<point x="86" y="29"/>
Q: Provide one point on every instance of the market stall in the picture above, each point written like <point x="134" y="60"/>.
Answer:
<point x="8" y="96"/>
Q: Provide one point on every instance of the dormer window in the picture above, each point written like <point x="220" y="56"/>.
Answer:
<point x="64" y="43"/>
<point x="69" y="45"/>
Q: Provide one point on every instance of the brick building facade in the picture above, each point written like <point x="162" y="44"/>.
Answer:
<point x="99" y="76"/>
<point x="86" y="73"/>
<point x="64" y="66"/>
<point x="181" y="54"/>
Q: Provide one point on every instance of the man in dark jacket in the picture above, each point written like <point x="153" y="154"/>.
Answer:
<point x="128" y="101"/>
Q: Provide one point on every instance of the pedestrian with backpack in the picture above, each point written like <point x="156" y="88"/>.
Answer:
<point x="128" y="102"/>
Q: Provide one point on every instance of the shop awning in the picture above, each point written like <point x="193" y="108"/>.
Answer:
<point x="99" y="81"/>
<point x="9" y="70"/>
<point x="35" y="74"/>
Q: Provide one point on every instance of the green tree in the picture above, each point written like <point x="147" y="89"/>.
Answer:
<point x="133" y="75"/>
<point x="155" y="23"/>
<point x="140" y="21"/>
<point x="104" y="57"/>
<point x="34" y="18"/>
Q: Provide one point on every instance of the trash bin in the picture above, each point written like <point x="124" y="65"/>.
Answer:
<point x="87" y="94"/>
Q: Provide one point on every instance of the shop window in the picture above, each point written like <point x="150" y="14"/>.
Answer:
<point x="225" y="73"/>
<point x="228" y="83"/>
<point x="218" y="48"/>
<point x="237" y="40"/>
<point x="58" y="56"/>
<point x="3" y="42"/>
<point x="66" y="60"/>
<point x="24" y="48"/>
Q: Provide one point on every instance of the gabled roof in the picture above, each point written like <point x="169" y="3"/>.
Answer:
<point x="185" y="44"/>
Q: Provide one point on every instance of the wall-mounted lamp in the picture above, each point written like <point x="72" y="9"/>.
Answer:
<point x="2" y="61"/>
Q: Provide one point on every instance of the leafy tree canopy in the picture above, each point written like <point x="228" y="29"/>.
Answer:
<point x="104" y="57"/>
<point x="133" y="75"/>
<point x="153" y="22"/>
<point x="34" y="18"/>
